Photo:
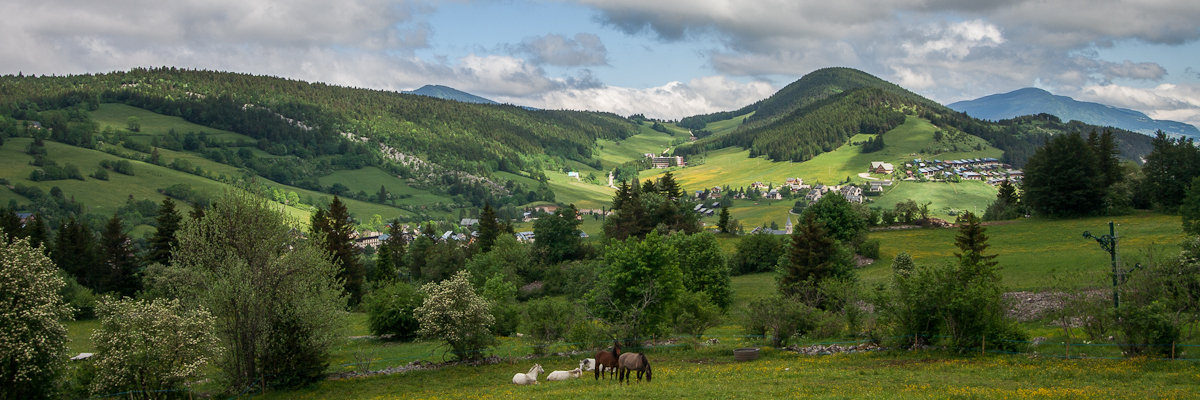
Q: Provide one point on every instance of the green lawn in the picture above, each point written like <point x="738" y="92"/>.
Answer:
<point x="568" y="190"/>
<point x="1037" y="253"/>
<point x="613" y="153"/>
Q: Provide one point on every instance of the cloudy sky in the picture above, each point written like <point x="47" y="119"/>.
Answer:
<point x="664" y="58"/>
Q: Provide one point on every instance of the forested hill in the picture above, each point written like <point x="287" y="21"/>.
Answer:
<point x="312" y="119"/>
<point x="824" y="109"/>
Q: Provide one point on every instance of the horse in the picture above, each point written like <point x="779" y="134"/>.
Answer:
<point x="607" y="359"/>
<point x="587" y="364"/>
<point x="632" y="362"/>
<point x="529" y="377"/>
<point x="564" y="375"/>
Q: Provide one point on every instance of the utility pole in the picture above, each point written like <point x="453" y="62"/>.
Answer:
<point x="1109" y="244"/>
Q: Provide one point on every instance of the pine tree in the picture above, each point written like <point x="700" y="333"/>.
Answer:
<point x="118" y="264"/>
<point x="10" y="224"/>
<point x="489" y="228"/>
<point x="668" y="186"/>
<point x="164" y="237"/>
<point x="812" y="257"/>
<point x="75" y="252"/>
<point x="36" y="230"/>
<point x="337" y="227"/>
<point x="723" y="220"/>
<point x="972" y="241"/>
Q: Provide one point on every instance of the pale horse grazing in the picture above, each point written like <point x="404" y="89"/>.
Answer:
<point x="587" y="364"/>
<point x="564" y="375"/>
<point x="529" y="377"/>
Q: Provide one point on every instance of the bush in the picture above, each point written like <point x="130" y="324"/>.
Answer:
<point x="1146" y="330"/>
<point x="778" y="319"/>
<point x="33" y="343"/>
<point x="80" y="298"/>
<point x="454" y="313"/>
<point x="101" y="174"/>
<point x="695" y="313"/>
<point x="757" y="253"/>
<point x="151" y="348"/>
<point x="868" y="249"/>
<point x="390" y="311"/>
<point x="548" y="320"/>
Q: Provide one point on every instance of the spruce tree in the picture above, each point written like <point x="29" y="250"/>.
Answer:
<point x="489" y="228"/>
<point x="972" y="242"/>
<point x="164" y="237"/>
<point x="668" y="186"/>
<point x="723" y="220"/>
<point x="814" y="255"/>
<point x="75" y="252"/>
<point x="337" y="227"/>
<point x="10" y="224"/>
<point x="118" y="266"/>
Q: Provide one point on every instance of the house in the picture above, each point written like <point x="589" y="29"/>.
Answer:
<point x="852" y="193"/>
<point x="525" y="237"/>
<point x="972" y="175"/>
<point x="573" y="174"/>
<point x="715" y="190"/>
<point x="880" y="167"/>
<point x="546" y="208"/>
<point x="468" y="222"/>
<point x="877" y="186"/>
<point x="758" y="185"/>
<point x="773" y="195"/>
<point x="769" y="231"/>
<point x="813" y="195"/>
<point x="794" y="183"/>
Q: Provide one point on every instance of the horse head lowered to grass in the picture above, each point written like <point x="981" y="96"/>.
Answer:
<point x="633" y="362"/>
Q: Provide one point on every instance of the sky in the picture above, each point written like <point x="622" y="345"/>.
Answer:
<point x="662" y="58"/>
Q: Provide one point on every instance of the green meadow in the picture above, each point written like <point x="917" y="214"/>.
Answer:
<point x="369" y="180"/>
<point x="1037" y="254"/>
<point x="944" y="197"/>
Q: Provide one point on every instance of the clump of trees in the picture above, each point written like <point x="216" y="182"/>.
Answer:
<point x="276" y="299"/>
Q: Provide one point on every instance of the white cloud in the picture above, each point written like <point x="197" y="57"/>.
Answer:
<point x="1176" y="102"/>
<point x="585" y="49"/>
<point x="671" y="101"/>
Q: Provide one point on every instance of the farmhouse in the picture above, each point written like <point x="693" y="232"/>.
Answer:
<point x="880" y="167"/>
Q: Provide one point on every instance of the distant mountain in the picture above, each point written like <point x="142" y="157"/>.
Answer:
<point x="1030" y="101"/>
<point x="449" y="93"/>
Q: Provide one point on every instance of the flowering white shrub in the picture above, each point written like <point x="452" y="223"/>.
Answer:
<point x="33" y="343"/>
<point x="453" y="312"/>
<point x="151" y="348"/>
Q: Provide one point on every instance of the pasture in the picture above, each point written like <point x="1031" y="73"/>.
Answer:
<point x="1037" y="254"/>
<point x="369" y="179"/>
<point x="944" y="197"/>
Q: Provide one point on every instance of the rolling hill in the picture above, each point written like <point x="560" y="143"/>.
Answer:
<point x="1030" y="101"/>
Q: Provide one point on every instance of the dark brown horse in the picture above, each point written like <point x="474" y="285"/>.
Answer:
<point x="607" y="359"/>
<point x="632" y="362"/>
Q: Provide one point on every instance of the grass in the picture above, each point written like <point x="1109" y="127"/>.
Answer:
<point x="116" y="116"/>
<point x="568" y="190"/>
<point x="710" y="372"/>
<point x="369" y="180"/>
<point x="944" y="197"/>
<point x="1037" y="254"/>
<point x="613" y="153"/>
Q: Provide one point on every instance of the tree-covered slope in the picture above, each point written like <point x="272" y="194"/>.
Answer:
<point x="310" y="118"/>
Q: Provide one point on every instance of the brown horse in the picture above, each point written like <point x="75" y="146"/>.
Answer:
<point x="607" y="359"/>
<point x="632" y="362"/>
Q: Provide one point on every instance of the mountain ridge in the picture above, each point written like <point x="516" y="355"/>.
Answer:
<point x="1031" y="101"/>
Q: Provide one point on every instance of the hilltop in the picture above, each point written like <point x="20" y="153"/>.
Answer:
<point x="449" y="93"/>
<point x="1030" y="101"/>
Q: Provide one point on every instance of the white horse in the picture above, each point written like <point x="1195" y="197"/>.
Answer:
<point x="530" y="377"/>
<point x="587" y="364"/>
<point x="564" y="375"/>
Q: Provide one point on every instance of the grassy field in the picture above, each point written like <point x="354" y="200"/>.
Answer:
<point x="369" y="180"/>
<point x="711" y="372"/>
<point x="116" y="116"/>
<point x="973" y="196"/>
<point x="1035" y="253"/>
<point x="568" y="190"/>
<point x="613" y="153"/>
